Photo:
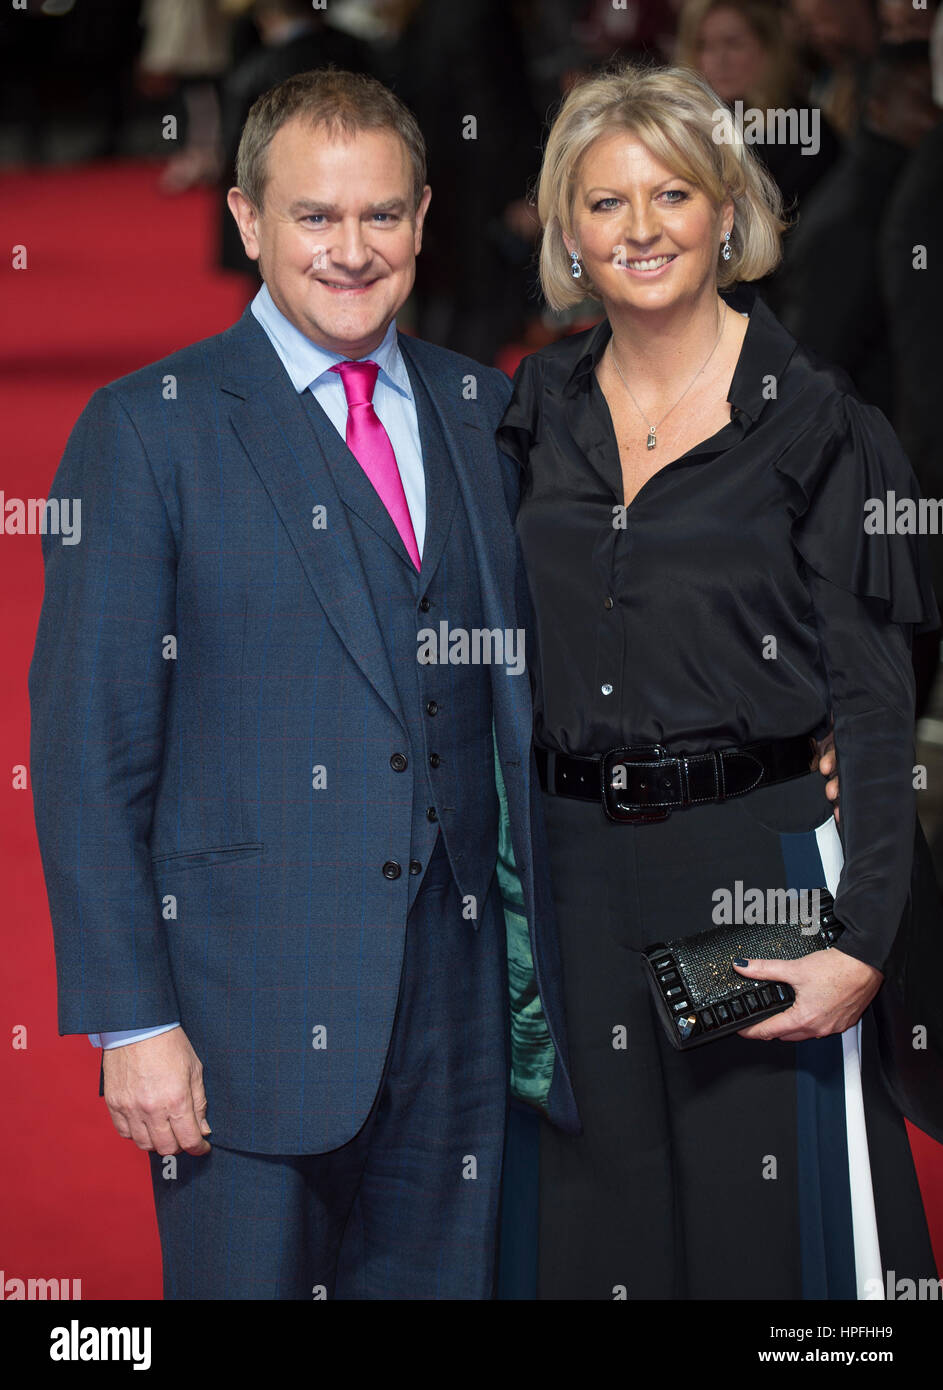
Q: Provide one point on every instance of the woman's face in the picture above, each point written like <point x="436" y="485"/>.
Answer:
<point x="647" y="238"/>
<point x="730" y="55"/>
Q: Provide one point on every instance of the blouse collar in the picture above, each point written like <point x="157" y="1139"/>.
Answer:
<point x="767" y="348"/>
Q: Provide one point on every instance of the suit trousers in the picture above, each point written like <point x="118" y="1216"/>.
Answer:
<point x="407" y="1209"/>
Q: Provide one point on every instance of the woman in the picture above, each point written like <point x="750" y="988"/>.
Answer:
<point x="742" y="49"/>
<point x="691" y="521"/>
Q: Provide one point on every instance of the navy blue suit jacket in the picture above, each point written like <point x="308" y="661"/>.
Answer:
<point x="191" y="872"/>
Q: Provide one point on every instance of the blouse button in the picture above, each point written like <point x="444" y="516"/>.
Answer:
<point x="607" y="604"/>
<point x="606" y="689"/>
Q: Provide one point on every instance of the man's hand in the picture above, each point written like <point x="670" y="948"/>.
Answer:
<point x="832" y="992"/>
<point x="154" y="1093"/>
<point x="826" y="762"/>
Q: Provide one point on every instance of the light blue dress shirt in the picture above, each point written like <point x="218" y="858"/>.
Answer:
<point x="309" y="368"/>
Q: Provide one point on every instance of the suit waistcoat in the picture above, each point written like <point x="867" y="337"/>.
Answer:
<point x="445" y="707"/>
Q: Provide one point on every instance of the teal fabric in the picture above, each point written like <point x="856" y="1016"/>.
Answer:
<point x="532" y="1050"/>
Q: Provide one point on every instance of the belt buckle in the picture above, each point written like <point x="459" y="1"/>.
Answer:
<point x="630" y="813"/>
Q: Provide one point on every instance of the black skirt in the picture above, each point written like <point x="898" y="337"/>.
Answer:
<point x="740" y="1170"/>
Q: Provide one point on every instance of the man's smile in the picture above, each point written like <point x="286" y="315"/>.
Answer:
<point x="348" y="286"/>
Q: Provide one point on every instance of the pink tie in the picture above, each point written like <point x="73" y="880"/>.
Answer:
<point x="370" y="445"/>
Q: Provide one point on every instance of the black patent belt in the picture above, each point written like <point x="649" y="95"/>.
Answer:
<point x="646" y="782"/>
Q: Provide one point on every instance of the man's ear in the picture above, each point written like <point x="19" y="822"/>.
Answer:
<point x="420" y="217"/>
<point x="246" y="215"/>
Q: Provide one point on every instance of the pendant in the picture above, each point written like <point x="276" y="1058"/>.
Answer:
<point x="651" y="441"/>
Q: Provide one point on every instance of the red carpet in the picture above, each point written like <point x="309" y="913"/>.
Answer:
<point x="116" y="276"/>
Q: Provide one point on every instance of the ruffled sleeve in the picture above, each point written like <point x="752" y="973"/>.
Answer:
<point x="855" y="507"/>
<point x="518" y="427"/>
<point x="857" y="510"/>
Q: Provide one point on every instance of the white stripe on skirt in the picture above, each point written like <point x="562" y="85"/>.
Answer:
<point x="868" y="1272"/>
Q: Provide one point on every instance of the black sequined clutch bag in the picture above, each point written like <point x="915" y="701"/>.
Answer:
<point x="698" y="994"/>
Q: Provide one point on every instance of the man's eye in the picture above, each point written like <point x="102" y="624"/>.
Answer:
<point x="384" y="217"/>
<point x="313" y="217"/>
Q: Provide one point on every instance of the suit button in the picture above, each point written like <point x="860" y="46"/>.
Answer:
<point x="391" y="869"/>
<point x="430" y="814"/>
<point x="434" y="760"/>
<point x="607" y="604"/>
<point x="399" y="762"/>
<point x="424" y="605"/>
<point x="415" y="867"/>
<point x="432" y="707"/>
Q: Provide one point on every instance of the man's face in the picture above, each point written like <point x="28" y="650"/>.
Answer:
<point x="338" y="236"/>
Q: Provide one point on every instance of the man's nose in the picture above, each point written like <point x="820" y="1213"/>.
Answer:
<point x="350" y="249"/>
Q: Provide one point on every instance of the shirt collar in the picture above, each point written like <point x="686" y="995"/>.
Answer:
<point x="767" y="348"/>
<point x="305" y="361"/>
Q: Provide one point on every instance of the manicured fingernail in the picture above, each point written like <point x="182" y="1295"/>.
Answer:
<point x="738" y="960"/>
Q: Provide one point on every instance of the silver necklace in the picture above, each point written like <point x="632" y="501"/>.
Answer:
<point x="652" y="439"/>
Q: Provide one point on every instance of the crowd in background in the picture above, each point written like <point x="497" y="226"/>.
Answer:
<point x="851" y="285"/>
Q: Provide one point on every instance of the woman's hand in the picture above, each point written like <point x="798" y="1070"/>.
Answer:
<point x="825" y="761"/>
<point x="832" y="992"/>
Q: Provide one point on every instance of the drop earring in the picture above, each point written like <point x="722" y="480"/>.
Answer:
<point x="576" y="269"/>
<point x="725" y="250"/>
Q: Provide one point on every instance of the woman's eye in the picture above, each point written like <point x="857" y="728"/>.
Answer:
<point x="604" y="204"/>
<point x="675" y="195"/>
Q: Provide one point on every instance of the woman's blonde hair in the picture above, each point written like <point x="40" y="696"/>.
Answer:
<point x="684" y="123"/>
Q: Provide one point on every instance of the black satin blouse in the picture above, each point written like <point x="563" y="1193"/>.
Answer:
<point x="739" y="596"/>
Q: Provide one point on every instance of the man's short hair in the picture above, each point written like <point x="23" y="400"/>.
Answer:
<point x="342" y="103"/>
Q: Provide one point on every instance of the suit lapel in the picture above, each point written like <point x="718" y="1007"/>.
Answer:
<point x="289" y="457"/>
<point x="441" y="485"/>
<point x="353" y="486"/>
<point x="473" y="453"/>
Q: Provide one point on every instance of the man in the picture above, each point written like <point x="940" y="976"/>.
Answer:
<point x="268" y="830"/>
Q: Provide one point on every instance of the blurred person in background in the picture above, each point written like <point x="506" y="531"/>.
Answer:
<point x="634" y="30"/>
<point x="461" y="69"/>
<point x="914" y="219"/>
<point x="747" y="53"/>
<point x="910" y="265"/>
<point x="187" y="42"/>
<point x="839" y="37"/>
<point x="832" y="299"/>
